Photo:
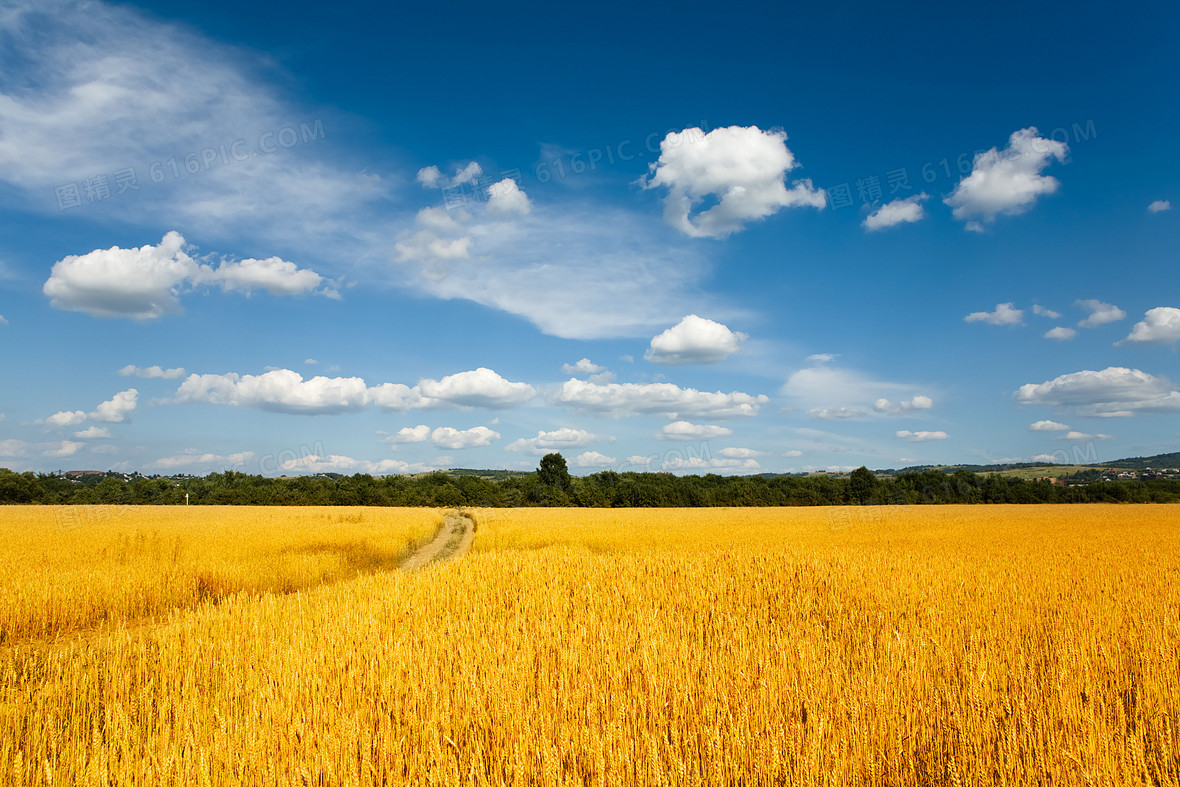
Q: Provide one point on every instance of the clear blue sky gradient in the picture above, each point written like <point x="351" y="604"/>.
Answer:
<point x="265" y="131"/>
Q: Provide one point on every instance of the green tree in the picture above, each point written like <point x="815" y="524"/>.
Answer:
<point x="862" y="486"/>
<point x="554" y="473"/>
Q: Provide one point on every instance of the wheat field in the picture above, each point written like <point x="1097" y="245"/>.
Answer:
<point x="988" y="645"/>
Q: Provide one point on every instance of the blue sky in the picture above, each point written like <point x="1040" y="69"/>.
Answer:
<point x="679" y="237"/>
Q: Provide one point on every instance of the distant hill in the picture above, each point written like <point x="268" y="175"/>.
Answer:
<point x="1143" y="462"/>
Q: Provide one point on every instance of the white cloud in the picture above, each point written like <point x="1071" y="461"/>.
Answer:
<point x="280" y="390"/>
<point x="1159" y="206"/>
<point x="1005" y="314"/>
<point x="410" y="434"/>
<point x="2" y="320"/>
<point x="66" y="418"/>
<point x="112" y="89"/>
<point x="432" y="177"/>
<point x="582" y="368"/>
<point x="13" y="448"/>
<point x="683" y="430"/>
<point x="399" y="397"/>
<point x="93" y="433"/>
<point x="792" y="453"/>
<point x="506" y="199"/>
<point x="140" y="283"/>
<point x="1060" y="333"/>
<point x="1049" y="458"/>
<point x="672" y="401"/>
<point x="276" y="276"/>
<point x="685" y="464"/>
<point x="742" y="168"/>
<point x="694" y="340"/>
<point x="457" y="439"/>
<point x="565" y="438"/>
<point x="745" y="453"/>
<point x="1160" y="325"/>
<point x="1043" y="312"/>
<point x="1100" y="313"/>
<point x="204" y="462"/>
<point x="920" y="437"/>
<point x="117" y="408"/>
<point x="152" y="372"/>
<point x="592" y="459"/>
<point x="900" y="211"/>
<point x="481" y="387"/>
<point x="832" y="393"/>
<point x="1074" y="435"/>
<point x="1047" y="426"/>
<point x="1006" y="182"/>
<point x="901" y="408"/>
<point x="145" y="283"/>
<point x="823" y="357"/>
<point x="556" y="267"/>
<point x="66" y="448"/>
<point x="334" y="463"/>
<point x="1111" y="392"/>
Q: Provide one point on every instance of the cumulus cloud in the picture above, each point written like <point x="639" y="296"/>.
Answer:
<point x="683" y="430"/>
<point x="334" y="463"/>
<point x="280" y="390"/>
<point x="900" y="211"/>
<point x="1060" y="333"/>
<point x="432" y="176"/>
<point x="747" y="453"/>
<point x="66" y="418"/>
<point x="456" y="439"/>
<point x="694" y="340"/>
<point x="1111" y="392"/>
<point x="481" y="387"/>
<point x="204" y="462"/>
<point x="13" y="448"/>
<point x="593" y="459"/>
<point x="1159" y="206"/>
<point x="689" y="464"/>
<point x="1005" y="314"/>
<point x="141" y="283"/>
<point x="284" y="390"/>
<point x="276" y="276"/>
<point x="93" y="433"/>
<point x="902" y="408"/>
<point x="672" y="401"/>
<point x="410" y="434"/>
<point x="152" y="372"/>
<point x="562" y="439"/>
<point x="582" y="368"/>
<point x="1047" y="426"/>
<point x="64" y="449"/>
<point x="920" y="437"/>
<point x="506" y="199"/>
<point x="114" y="410"/>
<point x="1074" y="435"/>
<point x="742" y="169"/>
<point x="1100" y="313"/>
<point x="1007" y="182"/>
<point x="1041" y="311"/>
<point x="1160" y="325"/>
<point x="146" y="283"/>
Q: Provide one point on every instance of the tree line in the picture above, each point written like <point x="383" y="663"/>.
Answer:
<point x="552" y="485"/>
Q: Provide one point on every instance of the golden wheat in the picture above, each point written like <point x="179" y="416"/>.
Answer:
<point x="879" y="646"/>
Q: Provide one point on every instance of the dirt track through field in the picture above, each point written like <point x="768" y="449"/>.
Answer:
<point x="452" y="541"/>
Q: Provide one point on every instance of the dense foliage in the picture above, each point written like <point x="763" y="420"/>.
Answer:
<point x="555" y="488"/>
